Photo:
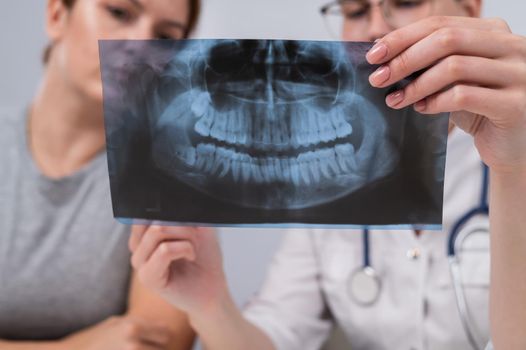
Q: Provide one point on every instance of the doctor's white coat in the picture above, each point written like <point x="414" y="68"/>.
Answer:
<point x="306" y="290"/>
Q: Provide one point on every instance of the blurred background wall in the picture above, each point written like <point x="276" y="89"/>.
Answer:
<point x="22" y="39"/>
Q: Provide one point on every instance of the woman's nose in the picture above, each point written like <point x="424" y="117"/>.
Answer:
<point x="143" y="30"/>
<point x="378" y="26"/>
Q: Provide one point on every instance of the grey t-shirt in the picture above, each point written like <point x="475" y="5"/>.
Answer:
<point x="64" y="260"/>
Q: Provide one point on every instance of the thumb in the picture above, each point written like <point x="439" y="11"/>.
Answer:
<point x="137" y="232"/>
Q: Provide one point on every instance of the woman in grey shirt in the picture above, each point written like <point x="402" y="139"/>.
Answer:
<point x="64" y="268"/>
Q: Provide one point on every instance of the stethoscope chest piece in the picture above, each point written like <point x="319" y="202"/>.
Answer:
<point x="364" y="286"/>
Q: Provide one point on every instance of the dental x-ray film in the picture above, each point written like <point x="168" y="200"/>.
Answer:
<point x="273" y="132"/>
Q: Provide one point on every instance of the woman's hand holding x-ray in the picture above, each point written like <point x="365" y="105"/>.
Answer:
<point x="475" y="68"/>
<point x="183" y="264"/>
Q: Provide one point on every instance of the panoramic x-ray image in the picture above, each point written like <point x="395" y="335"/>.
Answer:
<point x="264" y="132"/>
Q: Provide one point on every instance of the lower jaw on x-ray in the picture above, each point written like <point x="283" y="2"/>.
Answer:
<point x="264" y="132"/>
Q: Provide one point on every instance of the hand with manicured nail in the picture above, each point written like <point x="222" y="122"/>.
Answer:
<point x="474" y="68"/>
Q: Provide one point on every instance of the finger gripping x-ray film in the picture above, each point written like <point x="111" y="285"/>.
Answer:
<point x="234" y="132"/>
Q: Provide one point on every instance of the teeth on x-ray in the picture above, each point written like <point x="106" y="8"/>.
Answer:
<point x="270" y="114"/>
<point x="302" y="127"/>
<point x="201" y="104"/>
<point x="263" y="131"/>
<point x="308" y="168"/>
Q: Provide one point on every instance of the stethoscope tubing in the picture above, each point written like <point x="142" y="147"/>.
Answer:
<point x="481" y="209"/>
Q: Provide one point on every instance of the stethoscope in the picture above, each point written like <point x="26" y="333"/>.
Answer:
<point x="365" y="284"/>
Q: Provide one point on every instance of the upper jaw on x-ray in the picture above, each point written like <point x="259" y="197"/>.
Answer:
<point x="282" y="122"/>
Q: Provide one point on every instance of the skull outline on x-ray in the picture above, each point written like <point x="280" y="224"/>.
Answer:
<point x="269" y="124"/>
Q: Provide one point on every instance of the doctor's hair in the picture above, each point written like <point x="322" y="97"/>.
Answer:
<point x="193" y="16"/>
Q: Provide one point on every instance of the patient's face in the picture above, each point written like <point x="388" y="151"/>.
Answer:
<point x="75" y="51"/>
<point x="376" y="26"/>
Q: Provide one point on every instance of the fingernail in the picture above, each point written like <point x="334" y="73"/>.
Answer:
<point x="378" y="52"/>
<point x="395" y="98"/>
<point x="380" y="76"/>
<point x="420" y="106"/>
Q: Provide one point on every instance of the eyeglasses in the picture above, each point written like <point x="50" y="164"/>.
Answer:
<point x="342" y="14"/>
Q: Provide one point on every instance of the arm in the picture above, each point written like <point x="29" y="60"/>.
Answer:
<point x="224" y="327"/>
<point x="508" y="263"/>
<point x="110" y="334"/>
<point x="290" y="307"/>
<point x="184" y="265"/>
<point x="476" y="69"/>
<point x="150" y="324"/>
<point x="149" y="306"/>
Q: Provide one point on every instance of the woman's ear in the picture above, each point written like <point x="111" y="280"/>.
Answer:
<point x="56" y="16"/>
<point x="473" y="8"/>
